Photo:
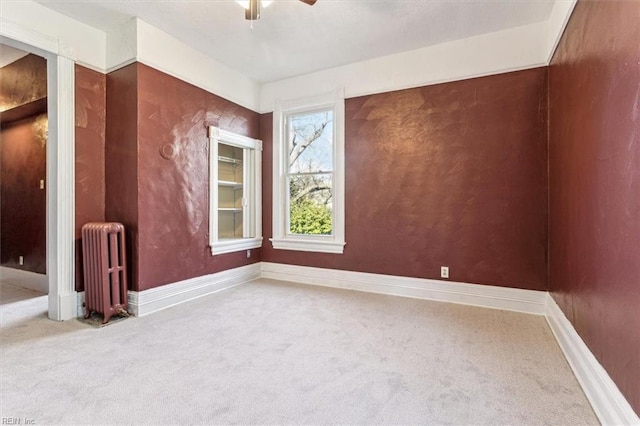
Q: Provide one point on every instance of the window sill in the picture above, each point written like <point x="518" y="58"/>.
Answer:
<point x="236" y="244"/>
<point x="308" y="245"/>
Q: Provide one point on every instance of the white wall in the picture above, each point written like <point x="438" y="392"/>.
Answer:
<point x="133" y="41"/>
<point x="122" y="45"/>
<point x="163" y="52"/>
<point x="509" y="50"/>
<point x="556" y="24"/>
<point x="136" y="40"/>
<point x="514" y="49"/>
<point x="76" y="40"/>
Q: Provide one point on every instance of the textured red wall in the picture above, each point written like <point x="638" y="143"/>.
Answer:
<point x="23" y="160"/>
<point x="23" y="163"/>
<point x="594" y="162"/>
<point x="453" y="174"/>
<point x="121" y="158"/>
<point x="23" y="81"/>
<point x="166" y="205"/>
<point x="90" y="109"/>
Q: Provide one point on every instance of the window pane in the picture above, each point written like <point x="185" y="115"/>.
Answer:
<point x="310" y="139"/>
<point x="310" y="204"/>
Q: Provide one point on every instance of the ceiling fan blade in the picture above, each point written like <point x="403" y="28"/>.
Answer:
<point x="309" y="2"/>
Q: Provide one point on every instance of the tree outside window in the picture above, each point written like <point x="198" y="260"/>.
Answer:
<point x="310" y="138"/>
<point x="308" y="174"/>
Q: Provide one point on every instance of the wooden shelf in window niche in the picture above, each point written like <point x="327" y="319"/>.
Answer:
<point x="229" y="160"/>
<point x="235" y="192"/>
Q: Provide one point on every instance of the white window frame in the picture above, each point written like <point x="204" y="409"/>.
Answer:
<point x="252" y="197"/>
<point x="282" y="239"/>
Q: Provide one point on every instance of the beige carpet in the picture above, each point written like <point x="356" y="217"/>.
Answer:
<point x="277" y="353"/>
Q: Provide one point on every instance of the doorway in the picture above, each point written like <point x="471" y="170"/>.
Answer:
<point x="60" y="170"/>
<point x="23" y="210"/>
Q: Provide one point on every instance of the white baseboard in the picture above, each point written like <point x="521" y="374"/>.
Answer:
<point x="25" y="279"/>
<point x="152" y="300"/>
<point x="67" y="302"/>
<point x="80" y="304"/>
<point x="607" y="401"/>
<point x="511" y="299"/>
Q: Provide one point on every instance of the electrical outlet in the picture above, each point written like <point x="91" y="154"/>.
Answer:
<point x="21" y="260"/>
<point x="444" y="272"/>
<point x="248" y="254"/>
<point x="41" y="183"/>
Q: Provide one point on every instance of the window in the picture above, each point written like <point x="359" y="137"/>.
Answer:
<point x="235" y="220"/>
<point x="308" y="175"/>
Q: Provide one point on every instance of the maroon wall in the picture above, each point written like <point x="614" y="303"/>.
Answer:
<point x="164" y="201"/>
<point x="23" y="81"/>
<point x="121" y="158"/>
<point x="23" y="164"/>
<point x="594" y="162"/>
<point x="90" y="110"/>
<point x="453" y="174"/>
<point x="173" y="193"/>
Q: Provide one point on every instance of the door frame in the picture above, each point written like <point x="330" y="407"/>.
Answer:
<point x="60" y="188"/>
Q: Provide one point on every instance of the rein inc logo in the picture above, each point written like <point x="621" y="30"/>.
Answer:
<point x="17" y="421"/>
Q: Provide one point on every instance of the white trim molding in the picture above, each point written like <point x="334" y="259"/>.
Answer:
<point x="235" y="244"/>
<point x="155" y="299"/>
<point x="282" y="238"/>
<point x="51" y="31"/>
<point x="607" y="401"/>
<point x="511" y="299"/>
<point x="24" y="279"/>
<point x="60" y="153"/>
<point x="61" y="194"/>
<point x="28" y="36"/>
<point x="250" y="187"/>
<point x="317" y="245"/>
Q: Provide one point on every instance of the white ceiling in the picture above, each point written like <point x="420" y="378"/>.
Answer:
<point x="292" y="38"/>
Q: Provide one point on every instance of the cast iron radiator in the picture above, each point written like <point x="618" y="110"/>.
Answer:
<point x="105" y="272"/>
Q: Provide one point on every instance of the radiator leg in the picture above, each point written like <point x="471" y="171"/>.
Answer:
<point x="121" y="311"/>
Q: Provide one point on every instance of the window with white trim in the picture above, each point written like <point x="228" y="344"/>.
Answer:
<point x="308" y="175"/>
<point x="235" y="196"/>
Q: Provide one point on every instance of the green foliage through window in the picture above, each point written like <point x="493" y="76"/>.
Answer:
<point x="310" y="217"/>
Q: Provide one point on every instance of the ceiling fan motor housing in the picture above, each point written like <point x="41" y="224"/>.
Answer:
<point x="253" y="12"/>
